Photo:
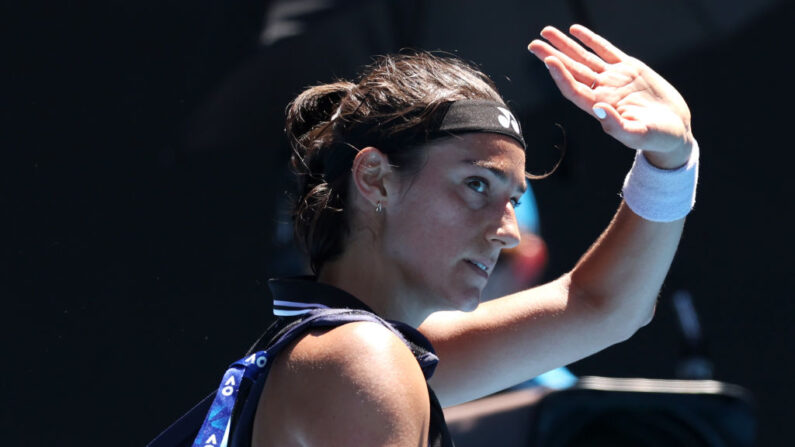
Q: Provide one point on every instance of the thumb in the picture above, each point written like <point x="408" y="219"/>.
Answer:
<point x="607" y="115"/>
<point x="616" y="126"/>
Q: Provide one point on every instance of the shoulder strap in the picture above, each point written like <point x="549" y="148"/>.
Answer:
<point x="221" y="410"/>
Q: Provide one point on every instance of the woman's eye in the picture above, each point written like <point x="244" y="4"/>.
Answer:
<point x="479" y="185"/>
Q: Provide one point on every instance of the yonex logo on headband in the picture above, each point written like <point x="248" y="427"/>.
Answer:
<point x="506" y="119"/>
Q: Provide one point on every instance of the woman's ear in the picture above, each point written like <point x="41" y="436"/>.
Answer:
<point x="369" y="173"/>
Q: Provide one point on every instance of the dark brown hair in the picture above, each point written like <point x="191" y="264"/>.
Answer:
<point x="392" y="106"/>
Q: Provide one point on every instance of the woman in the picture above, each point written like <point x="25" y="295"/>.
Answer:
<point x="409" y="181"/>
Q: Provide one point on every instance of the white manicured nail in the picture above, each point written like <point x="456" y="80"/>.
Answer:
<point x="600" y="113"/>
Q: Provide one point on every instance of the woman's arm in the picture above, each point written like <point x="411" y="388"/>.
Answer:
<point x="612" y="290"/>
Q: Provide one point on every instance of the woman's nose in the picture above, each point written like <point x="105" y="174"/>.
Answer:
<point x="507" y="233"/>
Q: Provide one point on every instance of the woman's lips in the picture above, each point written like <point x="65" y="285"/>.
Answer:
<point x="474" y="266"/>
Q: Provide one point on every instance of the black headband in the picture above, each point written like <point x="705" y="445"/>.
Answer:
<point x="464" y="116"/>
<point x="476" y="115"/>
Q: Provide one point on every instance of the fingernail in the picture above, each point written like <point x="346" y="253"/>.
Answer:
<point x="600" y="113"/>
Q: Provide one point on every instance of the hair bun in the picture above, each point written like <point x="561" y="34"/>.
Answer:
<point x="314" y="108"/>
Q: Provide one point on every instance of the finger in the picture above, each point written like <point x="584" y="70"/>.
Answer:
<point x="606" y="50"/>
<point x="614" y="124"/>
<point x="581" y="73"/>
<point x="579" y="94"/>
<point x="573" y="49"/>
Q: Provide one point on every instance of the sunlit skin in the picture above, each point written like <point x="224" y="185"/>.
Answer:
<point x="419" y="254"/>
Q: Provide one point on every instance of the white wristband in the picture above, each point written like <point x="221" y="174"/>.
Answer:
<point x="661" y="195"/>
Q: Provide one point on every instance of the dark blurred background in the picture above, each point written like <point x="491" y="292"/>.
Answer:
<point x="144" y="176"/>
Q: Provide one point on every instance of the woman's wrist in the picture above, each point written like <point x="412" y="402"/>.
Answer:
<point x="662" y="195"/>
<point x="674" y="159"/>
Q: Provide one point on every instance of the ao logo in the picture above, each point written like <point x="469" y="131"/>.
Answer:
<point x="260" y="361"/>
<point x="506" y="119"/>
<point x="229" y="386"/>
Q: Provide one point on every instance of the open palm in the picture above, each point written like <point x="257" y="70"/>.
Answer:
<point x="634" y="104"/>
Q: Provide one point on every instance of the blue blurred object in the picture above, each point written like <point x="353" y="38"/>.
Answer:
<point x="527" y="213"/>
<point x="556" y="379"/>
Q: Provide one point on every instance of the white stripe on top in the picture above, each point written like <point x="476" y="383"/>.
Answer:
<point x="298" y="305"/>
<point x="289" y="313"/>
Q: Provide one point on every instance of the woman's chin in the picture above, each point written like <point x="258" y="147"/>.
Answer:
<point x="470" y="305"/>
<point x="460" y="299"/>
<point x="467" y="302"/>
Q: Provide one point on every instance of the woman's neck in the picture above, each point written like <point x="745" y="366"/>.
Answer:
<point x="363" y="273"/>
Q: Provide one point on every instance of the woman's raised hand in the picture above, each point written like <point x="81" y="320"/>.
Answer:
<point x="634" y="104"/>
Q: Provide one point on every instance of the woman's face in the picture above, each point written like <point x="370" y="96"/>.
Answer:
<point x="444" y="229"/>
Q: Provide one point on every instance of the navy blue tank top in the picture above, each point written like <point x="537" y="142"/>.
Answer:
<point x="297" y="297"/>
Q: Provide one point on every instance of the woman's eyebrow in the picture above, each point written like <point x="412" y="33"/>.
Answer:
<point x="495" y="169"/>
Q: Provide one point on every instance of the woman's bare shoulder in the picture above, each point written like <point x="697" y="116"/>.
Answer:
<point x="357" y="383"/>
